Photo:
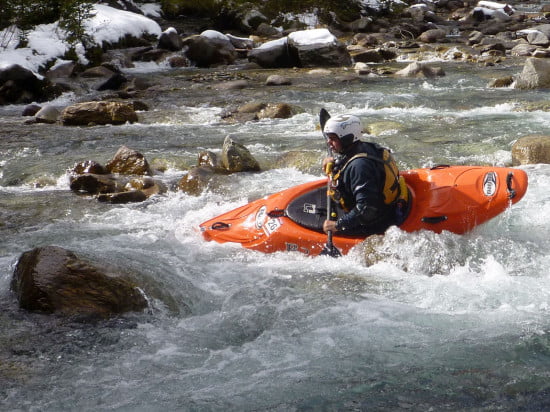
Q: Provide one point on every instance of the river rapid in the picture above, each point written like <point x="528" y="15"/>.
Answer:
<point x="441" y="322"/>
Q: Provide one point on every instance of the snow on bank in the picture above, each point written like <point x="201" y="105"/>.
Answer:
<point x="48" y="41"/>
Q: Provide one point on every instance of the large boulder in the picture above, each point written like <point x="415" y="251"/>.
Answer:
<point x="170" y="40"/>
<point x="318" y="48"/>
<point x="237" y="158"/>
<point x="209" y="48"/>
<point x="535" y="74"/>
<point x="54" y="280"/>
<point x="83" y="114"/>
<point x="273" y="54"/>
<point x="531" y="149"/>
<point x="19" y="86"/>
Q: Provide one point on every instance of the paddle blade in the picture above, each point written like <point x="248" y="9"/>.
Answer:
<point x="323" y="117"/>
<point x="330" y="250"/>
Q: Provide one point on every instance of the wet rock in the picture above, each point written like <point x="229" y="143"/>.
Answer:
<point x="51" y="279"/>
<point x="318" y="48"/>
<point x="278" y="80"/>
<point x="196" y="180"/>
<point x="535" y="74"/>
<point x="47" y="114"/>
<point x="273" y="54"/>
<point x="501" y="82"/>
<point x="127" y="161"/>
<point x="432" y="36"/>
<point x="97" y="71"/>
<point x="83" y="114"/>
<point x="88" y="166"/>
<point x="209" y="48"/>
<point x="114" y="82"/>
<point x="30" y="110"/>
<point x="210" y="159"/>
<point x="417" y="69"/>
<point x="62" y="70"/>
<point x="531" y="150"/>
<point x="277" y="111"/>
<point x="20" y="86"/>
<point x="170" y="40"/>
<point x="130" y="196"/>
<point x="367" y="56"/>
<point x="237" y="158"/>
<point x="92" y="184"/>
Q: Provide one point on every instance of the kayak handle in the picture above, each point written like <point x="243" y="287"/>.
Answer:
<point x="220" y="226"/>
<point x="511" y="192"/>
<point x="433" y="219"/>
<point x="440" y="167"/>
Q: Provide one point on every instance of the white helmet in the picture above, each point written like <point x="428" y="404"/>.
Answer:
<point x="347" y="127"/>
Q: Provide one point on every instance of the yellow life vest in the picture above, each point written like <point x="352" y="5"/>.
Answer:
<point x="395" y="187"/>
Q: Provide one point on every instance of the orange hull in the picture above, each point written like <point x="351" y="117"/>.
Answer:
<point x="452" y="198"/>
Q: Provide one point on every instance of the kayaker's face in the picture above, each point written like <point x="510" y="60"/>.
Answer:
<point x="334" y="142"/>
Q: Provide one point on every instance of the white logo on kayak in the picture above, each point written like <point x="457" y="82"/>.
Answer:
<point x="309" y="208"/>
<point x="260" y="217"/>
<point x="490" y="184"/>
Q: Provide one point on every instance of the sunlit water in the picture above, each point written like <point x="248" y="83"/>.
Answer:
<point x="445" y="322"/>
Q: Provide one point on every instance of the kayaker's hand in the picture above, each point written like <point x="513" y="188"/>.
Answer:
<point x="329" y="225"/>
<point x="328" y="163"/>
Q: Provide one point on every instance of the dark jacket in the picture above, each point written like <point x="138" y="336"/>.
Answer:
<point x="361" y="186"/>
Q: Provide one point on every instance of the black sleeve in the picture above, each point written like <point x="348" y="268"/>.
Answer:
<point x="362" y="178"/>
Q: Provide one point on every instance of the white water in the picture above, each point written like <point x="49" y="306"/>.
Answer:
<point x="444" y="321"/>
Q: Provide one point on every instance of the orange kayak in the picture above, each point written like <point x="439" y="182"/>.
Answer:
<point x="452" y="198"/>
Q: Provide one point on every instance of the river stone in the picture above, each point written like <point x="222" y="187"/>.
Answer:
<point x="19" y="85"/>
<point x="89" y="166"/>
<point x="130" y="196"/>
<point x="47" y="114"/>
<point x="170" y="40"/>
<point x="237" y="158"/>
<point x="531" y="149"/>
<point x="196" y="180"/>
<point x="83" y="114"/>
<point x="417" y="69"/>
<point x="54" y="280"/>
<point x="93" y="183"/>
<point x="277" y="111"/>
<point x="535" y="74"/>
<point x="207" y="51"/>
<point x="127" y="161"/>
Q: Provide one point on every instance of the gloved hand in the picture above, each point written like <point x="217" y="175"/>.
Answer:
<point x="328" y="164"/>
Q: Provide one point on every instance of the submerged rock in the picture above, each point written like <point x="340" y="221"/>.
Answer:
<point x="531" y="149"/>
<point x="51" y="279"/>
<point x="83" y="114"/>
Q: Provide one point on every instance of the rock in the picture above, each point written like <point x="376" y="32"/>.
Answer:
<point x="170" y="40"/>
<point x="128" y="162"/>
<point x="273" y="54"/>
<point x="83" y="114"/>
<point x="237" y="158"/>
<point x="432" y="36"/>
<point x="89" y="166"/>
<point x="20" y="86"/>
<point x="114" y="82"/>
<point x="210" y="159"/>
<point x="62" y="69"/>
<point x="178" y="61"/>
<point x="384" y="127"/>
<point x="531" y="149"/>
<point x="94" y="184"/>
<point x="54" y="280"/>
<point x="31" y="110"/>
<point x="266" y="30"/>
<point x="501" y="82"/>
<point x="417" y="69"/>
<point x="367" y="56"/>
<point x="196" y="180"/>
<point x="47" y="114"/>
<point x="278" y="80"/>
<point x="209" y="48"/>
<point x="535" y="74"/>
<point x="98" y="71"/>
<point x="130" y="196"/>
<point x="318" y="48"/>
<point x="277" y="111"/>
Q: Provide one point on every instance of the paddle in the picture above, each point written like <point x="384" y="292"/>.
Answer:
<point x="329" y="249"/>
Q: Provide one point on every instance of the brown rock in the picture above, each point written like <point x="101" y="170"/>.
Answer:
<point x="237" y="158"/>
<point x="82" y="114"/>
<point x="128" y="162"/>
<point x="196" y="180"/>
<point x="54" y="280"/>
<point x="93" y="184"/>
<point x="531" y="149"/>
<point x="131" y="196"/>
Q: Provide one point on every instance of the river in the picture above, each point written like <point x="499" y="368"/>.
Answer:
<point x="441" y="322"/>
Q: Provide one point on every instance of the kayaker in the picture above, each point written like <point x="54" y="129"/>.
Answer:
<point x="365" y="181"/>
